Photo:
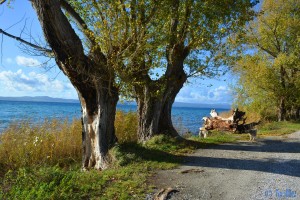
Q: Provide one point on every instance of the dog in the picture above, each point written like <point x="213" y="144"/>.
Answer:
<point x="203" y="133"/>
<point x="252" y="134"/>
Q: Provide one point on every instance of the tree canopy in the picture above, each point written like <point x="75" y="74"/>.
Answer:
<point x="136" y="35"/>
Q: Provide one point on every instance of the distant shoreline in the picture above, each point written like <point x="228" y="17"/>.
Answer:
<point x="46" y="99"/>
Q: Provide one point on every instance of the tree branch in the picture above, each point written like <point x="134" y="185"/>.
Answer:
<point x="260" y="46"/>
<point x="80" y="22"/>
<point x="185" y="24"/>
<point x="39" y="48"/>
<point x="266" y="50"/>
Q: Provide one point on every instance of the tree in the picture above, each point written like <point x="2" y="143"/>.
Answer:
<point x="269" y="69"/>
<point x="181" y="38"/>
<point x="192" y="46"/>
<point x="90" y="73"/>
<point x="126" y="41"/>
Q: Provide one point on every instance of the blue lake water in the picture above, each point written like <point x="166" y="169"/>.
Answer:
<point x="184" y="118"/>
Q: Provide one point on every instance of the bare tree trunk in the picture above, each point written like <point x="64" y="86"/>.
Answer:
<point x="90" y="75"/>
<point x="165" y="120"/>
<point x="155" y="111"/>
<point x="149" y="109"/>
<point x="98" y="133"/>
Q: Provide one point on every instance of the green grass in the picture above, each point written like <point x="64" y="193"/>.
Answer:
<point x="216" y="137"/>
<point x="58" y="183"/>
<point x="278" y="128"/>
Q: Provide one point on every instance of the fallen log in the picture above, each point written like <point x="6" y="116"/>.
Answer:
<point x="234" y="123"/>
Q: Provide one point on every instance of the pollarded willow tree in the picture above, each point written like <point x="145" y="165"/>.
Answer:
<point x="90" y="73"/>
<point x="88" y="69"/>
<point x="176" y="39"/>
<point x="269" y="70"/>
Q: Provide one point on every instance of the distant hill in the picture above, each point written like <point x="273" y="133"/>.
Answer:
<point x="201" y="105"/>
<point x="61" y="100"/>
<point x="39" y="99"/>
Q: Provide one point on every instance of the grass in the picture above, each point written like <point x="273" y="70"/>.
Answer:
<point x="278" y="128"/>
<point x="42" y="161"/>
<point x="49" y="143"/>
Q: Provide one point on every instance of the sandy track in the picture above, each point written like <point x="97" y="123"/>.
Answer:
<point x="266" y="169"/>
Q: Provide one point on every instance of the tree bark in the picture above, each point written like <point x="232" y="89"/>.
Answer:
<point x="155" y="105"/>
<point x="282" y="110"/>
<point x="165" y="121"/>
<point x="98" y="133"/>
<point x="149" y="109"/>
<point x="91" y="77"/>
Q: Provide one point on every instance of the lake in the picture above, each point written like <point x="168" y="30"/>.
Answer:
<point x="184" y="118"/>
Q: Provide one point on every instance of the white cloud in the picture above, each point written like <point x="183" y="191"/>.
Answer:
<point x="28" y="62"/>
<point x="221" y="94"/>
<point x="32" y="82"/>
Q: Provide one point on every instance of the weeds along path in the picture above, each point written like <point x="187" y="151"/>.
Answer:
<point x="266" y="169"/>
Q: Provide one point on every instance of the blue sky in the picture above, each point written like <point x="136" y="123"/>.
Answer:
<point x="24" y="75"/>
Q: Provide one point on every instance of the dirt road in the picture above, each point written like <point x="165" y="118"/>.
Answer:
<point x="266" y="169"/>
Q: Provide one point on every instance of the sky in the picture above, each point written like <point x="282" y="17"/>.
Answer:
<point x="22" y="74"/>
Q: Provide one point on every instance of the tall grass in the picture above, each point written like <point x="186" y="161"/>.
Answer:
<point x="53" y="142"/>
<point x="126" y="125"/>
<point x="25" y="144"/>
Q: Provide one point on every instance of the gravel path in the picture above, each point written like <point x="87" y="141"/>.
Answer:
<point x="266" y="169"/>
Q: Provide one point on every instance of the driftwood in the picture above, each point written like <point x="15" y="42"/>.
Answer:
<point x="192" y="170"/>
<point x="164" y="194"/>
<point x="235" y="123"/>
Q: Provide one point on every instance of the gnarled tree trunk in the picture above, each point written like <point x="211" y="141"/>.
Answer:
<point x="98" y="133"/>
<point x="149" y="108"/>
<point x="91" y="77"/>
<point x="155" y="104"/>
<point x="165" y="120"/>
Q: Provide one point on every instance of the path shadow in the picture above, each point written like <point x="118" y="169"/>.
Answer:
<point x="277" y="166"/>
<point x="265" y="145"/>
<point x="290" y="167"/>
